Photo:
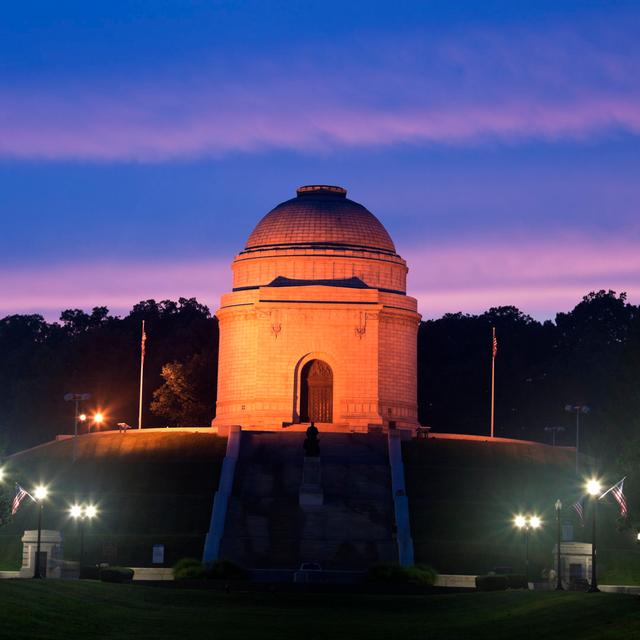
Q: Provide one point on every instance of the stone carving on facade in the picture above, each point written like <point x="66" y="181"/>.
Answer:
<point x="361" y="329"/>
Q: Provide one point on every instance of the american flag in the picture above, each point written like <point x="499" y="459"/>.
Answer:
<point x="21" y="494"/>
<point x="494" y="344"/>
<point x="579" y="509"/>
<point x="618" y="494"/>
<point x="144" y="340"/>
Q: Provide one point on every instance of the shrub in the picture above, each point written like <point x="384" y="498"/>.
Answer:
<point x="421" y="575"/>
<point x="91" y="572"/>
<point x="516" y="581"/>
<point x="491" y="583"/>
<point x="424" y="574"/>
<point x="224" y="570"/>
<point x="188" y="569"/>
<point x="116" y="574"/>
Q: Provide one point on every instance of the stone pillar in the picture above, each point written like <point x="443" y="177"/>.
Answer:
<point x="51" y="545"/>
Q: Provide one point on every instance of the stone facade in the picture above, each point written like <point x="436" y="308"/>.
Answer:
<point x="319" y="279"/>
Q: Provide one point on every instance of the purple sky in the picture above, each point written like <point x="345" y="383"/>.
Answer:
<point x="140" y="142"/>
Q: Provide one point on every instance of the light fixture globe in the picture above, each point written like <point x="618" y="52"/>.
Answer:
<point x="594" y="487"/>
<point x="75" y="511"/>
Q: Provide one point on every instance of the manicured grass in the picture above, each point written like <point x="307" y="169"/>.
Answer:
<point x="70" y="609"/>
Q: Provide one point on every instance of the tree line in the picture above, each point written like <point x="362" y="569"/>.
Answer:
<point x="589" y="356"/>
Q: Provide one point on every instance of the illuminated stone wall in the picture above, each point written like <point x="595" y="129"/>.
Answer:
<point x="366" y="331"/>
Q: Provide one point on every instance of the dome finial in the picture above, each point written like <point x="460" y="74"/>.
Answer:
<point x="321" y="190"/>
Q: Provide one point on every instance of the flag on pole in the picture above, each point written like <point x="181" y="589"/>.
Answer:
<point x="618" y="493"/>
<point x="143" y="341"/>
<point x="579" y="509"/>
<point x="21" y="494"/>
<point x="494" y="344"/>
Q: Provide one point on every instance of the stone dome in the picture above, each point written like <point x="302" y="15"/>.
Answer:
<point x="320" y="216"/>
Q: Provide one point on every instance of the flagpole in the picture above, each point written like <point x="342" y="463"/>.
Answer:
<point x="611" y="488"/>
<point x="142" y="349"/>
<point x="493" y="378"/>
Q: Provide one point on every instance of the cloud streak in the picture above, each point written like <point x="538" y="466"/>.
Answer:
<point x="468" y="89"/>
<point x="538" y="277"/>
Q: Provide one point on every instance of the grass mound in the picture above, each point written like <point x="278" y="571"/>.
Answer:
<point x="150" y="488"/>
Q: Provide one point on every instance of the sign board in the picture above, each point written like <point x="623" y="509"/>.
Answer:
<point x="157" y="557"/>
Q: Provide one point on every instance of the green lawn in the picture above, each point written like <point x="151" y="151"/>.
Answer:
<point x="71" y="609"/>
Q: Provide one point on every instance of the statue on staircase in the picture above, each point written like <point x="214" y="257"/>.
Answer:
<point x="311" y="442"/>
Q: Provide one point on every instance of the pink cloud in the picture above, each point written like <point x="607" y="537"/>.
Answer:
<point x="462" y="88"/>
<point x="538" y="276"/>
<point x="99" y="131"/>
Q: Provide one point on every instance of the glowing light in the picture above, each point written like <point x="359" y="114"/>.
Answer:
<point x="1" y="474"/>
<point x="535" y="522"/>
<point x="82" y="417"/>
<point x="520" y="521"/>
<point x="593" y="487"/>
<point x="91" y="511"/>
<point x="98" y="418"/>
<point x="75" y="511"/>
<point x="40" y="493"/>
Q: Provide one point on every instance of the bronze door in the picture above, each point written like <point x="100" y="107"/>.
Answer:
<point x="316" y="398"/>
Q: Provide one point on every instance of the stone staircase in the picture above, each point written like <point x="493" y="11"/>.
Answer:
<point x="265" y="526"/>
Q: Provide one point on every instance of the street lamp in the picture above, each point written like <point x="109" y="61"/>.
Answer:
<point x="594" y="490"/>
<point x="40" y="495"/>
<point x="526" y="524"/>
<point x="80" y="513"/>
<point x="77" y="398"/>
<point x="98" y="418"/>
<point x="577" y="409"/>
<point x="558" y="545"/>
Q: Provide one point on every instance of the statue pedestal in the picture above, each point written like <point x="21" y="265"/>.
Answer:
<point x="310" y="494"/>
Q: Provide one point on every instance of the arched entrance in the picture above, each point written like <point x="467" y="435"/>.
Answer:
<point x="316" y="392"/>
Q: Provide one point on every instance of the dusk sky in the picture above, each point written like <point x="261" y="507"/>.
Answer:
<point x="140" y="143"/>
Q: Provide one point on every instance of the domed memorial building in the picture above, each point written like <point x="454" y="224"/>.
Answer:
<point x="318" y="326"/>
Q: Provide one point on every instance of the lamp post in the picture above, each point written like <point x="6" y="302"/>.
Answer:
<point x="40" y="495"/>
<point x="594" y="490"/>
<point x="553" y="431"/>
<point x="527" y="523"/>
<point x="577" y="409"/>
<point x="77" y="398"/>
<point x="559" y="586"/>
<point x="80" y="513"/>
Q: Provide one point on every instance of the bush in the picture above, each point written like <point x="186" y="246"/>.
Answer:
<point x="491" y="583"/>
<point x="116" y="574"/>
<point x="224" y="570"/>
<point x="188" y="569"/>
<point x="91" y="572"/>
<point x="516" y="581"/>
<point x="421" y="575"/>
